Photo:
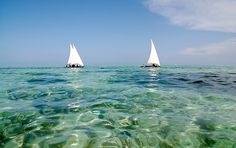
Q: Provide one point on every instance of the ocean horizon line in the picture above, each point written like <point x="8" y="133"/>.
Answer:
<point x="118" y="65"/>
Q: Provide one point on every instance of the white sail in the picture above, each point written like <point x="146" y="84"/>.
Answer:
<point x="153" y="58"/>
<point x="74" y="57"/>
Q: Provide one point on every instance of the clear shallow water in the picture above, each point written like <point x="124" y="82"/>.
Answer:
<point x="169" y="107"/>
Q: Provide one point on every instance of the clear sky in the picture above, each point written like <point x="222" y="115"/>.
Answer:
<point x="117" y="32"/>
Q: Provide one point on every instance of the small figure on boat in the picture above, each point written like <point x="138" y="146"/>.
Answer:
<point x="153" y="60"/>
<point x="74" y="59"/>
<point x="74" y="66"/>
<point x="154" y="65"/>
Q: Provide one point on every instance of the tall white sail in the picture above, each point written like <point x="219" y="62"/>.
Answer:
<point x="153" y="58"/>
<point x="74" y="57"/>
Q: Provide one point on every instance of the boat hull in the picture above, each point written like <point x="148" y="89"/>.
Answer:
<point x="74" y="66"/>
<point x="149" y="66"/>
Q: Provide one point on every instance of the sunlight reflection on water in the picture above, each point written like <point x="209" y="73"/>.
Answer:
<point x="118" y="107"/>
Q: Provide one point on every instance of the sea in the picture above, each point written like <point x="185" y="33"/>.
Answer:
<point x="118" y="107"/>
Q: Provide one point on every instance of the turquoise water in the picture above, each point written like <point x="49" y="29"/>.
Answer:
<point x="169" y="107"/>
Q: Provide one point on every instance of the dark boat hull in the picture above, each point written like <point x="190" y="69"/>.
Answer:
<point x="74" y="66"/>
<point x="149" y="66"/>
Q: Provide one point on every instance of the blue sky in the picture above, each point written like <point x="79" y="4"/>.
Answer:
<point x="117" y="32"/>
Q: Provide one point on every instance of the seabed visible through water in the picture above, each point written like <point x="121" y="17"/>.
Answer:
<point x="126" y="106"/>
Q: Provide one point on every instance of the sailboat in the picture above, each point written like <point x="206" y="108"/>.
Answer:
<point x="74" y="60"/>
<point x="153" y="60"/>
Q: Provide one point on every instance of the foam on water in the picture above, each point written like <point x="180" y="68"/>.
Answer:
<point x="118" y="107"/>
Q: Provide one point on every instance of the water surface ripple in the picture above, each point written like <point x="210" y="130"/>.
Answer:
<point x="126" y="106"/>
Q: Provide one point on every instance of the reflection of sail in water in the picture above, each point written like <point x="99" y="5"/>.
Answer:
<point x="74" y="74"/>
<point x="152" y="72"/>
<point x="153" y="80"/>
<point x="75" y="86"/>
